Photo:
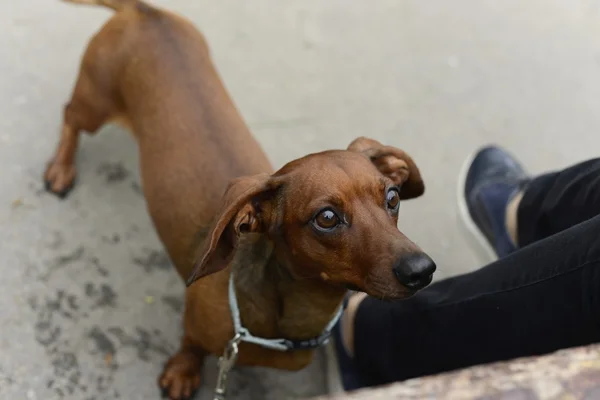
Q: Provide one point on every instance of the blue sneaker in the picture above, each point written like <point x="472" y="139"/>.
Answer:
<point x="489" y="181"/>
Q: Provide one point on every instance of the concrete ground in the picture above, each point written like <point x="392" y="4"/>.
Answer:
<point x="90" y="308"/>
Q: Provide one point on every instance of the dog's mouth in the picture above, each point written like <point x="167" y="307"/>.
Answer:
<point x="352" y="287"/>
<point x="392" y="292"/>
<point x="385" y="293"/>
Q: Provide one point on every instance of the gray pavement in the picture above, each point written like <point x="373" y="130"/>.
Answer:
<point x="87" y="277"/>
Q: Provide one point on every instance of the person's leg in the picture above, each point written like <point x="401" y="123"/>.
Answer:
<point x="538" y="299"/>
<point x="506" y="210"/>
<point x="559" y="200"/>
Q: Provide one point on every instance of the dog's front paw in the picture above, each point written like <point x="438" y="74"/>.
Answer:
<point x="181" y="377"/>
<point x="59" y="178"/>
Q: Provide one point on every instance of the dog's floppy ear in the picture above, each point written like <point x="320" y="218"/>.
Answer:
<point x="393" y="163"/>
<point x="241" y="212"/>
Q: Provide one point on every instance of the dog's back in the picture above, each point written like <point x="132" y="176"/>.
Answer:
<point x="150" y="70"/>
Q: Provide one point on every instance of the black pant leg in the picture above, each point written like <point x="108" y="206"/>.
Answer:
<point x="541" y="298"/>
<point x="556" y="201"/>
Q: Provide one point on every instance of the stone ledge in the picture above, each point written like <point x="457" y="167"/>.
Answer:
<point x="572" y="374"/>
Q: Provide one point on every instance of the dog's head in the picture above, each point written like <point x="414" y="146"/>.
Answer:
<point x="332" y="216"/>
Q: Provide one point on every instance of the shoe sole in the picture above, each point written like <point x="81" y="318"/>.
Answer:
<point x="477" y="240"/>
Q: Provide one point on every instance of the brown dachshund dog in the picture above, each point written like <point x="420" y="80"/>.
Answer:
<point x="296" y="239"/>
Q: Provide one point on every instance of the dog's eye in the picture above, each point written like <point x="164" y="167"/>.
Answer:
<point x="393" y="199"/>
<point x="326" y="220"/>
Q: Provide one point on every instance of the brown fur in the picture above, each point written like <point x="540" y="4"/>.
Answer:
<point x="151" y="71"/>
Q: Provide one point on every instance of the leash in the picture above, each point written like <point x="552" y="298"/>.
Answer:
<point x="242" y="334"/>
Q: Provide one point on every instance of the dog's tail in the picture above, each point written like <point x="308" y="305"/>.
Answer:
<point x="116" y="5"/>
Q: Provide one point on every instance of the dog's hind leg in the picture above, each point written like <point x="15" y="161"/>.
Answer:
<point x="89" y="108"/>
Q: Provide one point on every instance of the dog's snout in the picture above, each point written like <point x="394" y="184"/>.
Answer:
<point x="415" y="271"/>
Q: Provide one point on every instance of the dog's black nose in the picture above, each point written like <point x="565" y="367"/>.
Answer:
<point x="415" y="271"/>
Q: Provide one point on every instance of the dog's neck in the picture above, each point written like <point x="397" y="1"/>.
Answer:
<point x="274" y="304"/>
